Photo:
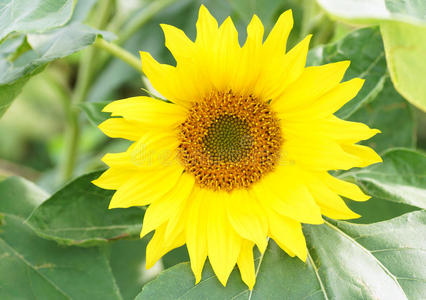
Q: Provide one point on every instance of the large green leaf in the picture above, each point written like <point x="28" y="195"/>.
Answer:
<point x="46" y="47"/>
<point x="78" y="215"/>
<point x="405" y="46"/>
<point x="26" y="16"/>
<point x="346" y="261"/>
<point x="33" y="268"/>
<point x="364" y="49"/>
<point x="403" y="26"/>
<point x="127" y="260"/>
<point x="365" y="11"/>
<point x="401" y="178"/>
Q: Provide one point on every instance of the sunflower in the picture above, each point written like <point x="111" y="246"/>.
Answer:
<point x="240" y="151"/>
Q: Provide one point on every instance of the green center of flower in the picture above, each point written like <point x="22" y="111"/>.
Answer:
<point x="228" y="139"/>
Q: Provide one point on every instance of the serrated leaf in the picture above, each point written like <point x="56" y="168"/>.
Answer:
<point x="364" y="48"/>
<point x="78" y="215"/>
<point x="31" y="267"/>
<point x="346" y="261"/>
<point x="26" y="16"/>
<point x="401" y="178"/>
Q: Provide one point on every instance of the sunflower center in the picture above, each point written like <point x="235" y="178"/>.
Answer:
<point x="229" y="141"/>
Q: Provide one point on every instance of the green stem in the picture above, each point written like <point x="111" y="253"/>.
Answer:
<point x="84" y="78"/>
<point x="119" y="52"/>
<point x="144" y="16"/>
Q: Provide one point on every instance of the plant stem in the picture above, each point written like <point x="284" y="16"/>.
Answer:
<point x="84" y="78"/>
<point x="144" y="16"/>
<point x="119" y="52"/>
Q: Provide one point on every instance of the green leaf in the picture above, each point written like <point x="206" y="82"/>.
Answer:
<point x="377" y="261"/>
<point x="397" y="186"/>
<point x="346" y="261"/>
<point x="392" y="115"/>
<point x="78" y="215"/>
<point x="46" y="47"/>
<point x="127" y="260"/>
<point x="405" y="46"/>
<point x="26" y="16"/>
<point x="401" y="178"/>
<point x="364" y="49"/>
<point x="403" y="26"/>
<point x="277" y="270"/>
<point x="31" y="267"/>
<point x="356" y="11"/>
<point x="10" y="45"/>
<point x="175" y="257"/>
<point x="94" y="112"/>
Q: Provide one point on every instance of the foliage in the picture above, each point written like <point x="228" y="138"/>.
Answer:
<point x="70" y="58"/>
<point x="403" y="26"/>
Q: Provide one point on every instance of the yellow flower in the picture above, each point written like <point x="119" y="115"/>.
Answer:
<point x="240" y="151"/>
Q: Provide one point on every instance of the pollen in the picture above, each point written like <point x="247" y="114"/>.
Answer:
<point x="229" y="141"/>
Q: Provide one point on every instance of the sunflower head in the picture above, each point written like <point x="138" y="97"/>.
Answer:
<point x="242" y="149"/>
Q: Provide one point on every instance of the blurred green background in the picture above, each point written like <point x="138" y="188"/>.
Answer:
<point x="32" y="131"/>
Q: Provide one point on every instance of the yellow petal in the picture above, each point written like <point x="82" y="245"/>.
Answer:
<point x="346" y="131"/>
<point x="121" y="128"/>
<point x="330" y="102"/>
<point x="277" y="38"/>
<point x="121" y="160"/>
<point x="168" y="82"/>
<point x="148" y="112"/>
<point x="344" y="188"/>
<point x="196" y="232"/>
<point x="224" y="62"/>
<point x="113" y="178"/>
<point x="251" y="59"/>
<point x="288" y="234"/>
<point x="284" y="192"/>
<point x="178" y="43"/>
<point x="273" y="81"/>
<point x="206" y="27"/>
<point x="319" y="79"/>
<point x="167" y="206"/>
<point x="330" y="203"/>
<point x="145" y="187"/>
<point x="317" y="153"/>
<point x="246" y="264"/>
<point x="156" y="150"/>
<point x="367" y="155"/>
<point x="329" y="128"/>
<point x="295" y="60"/>
<point x="224" y="244"/>
<point x="158" y="246"/>
<point x="248" y="218"/>
<point x="255" y="32"/>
